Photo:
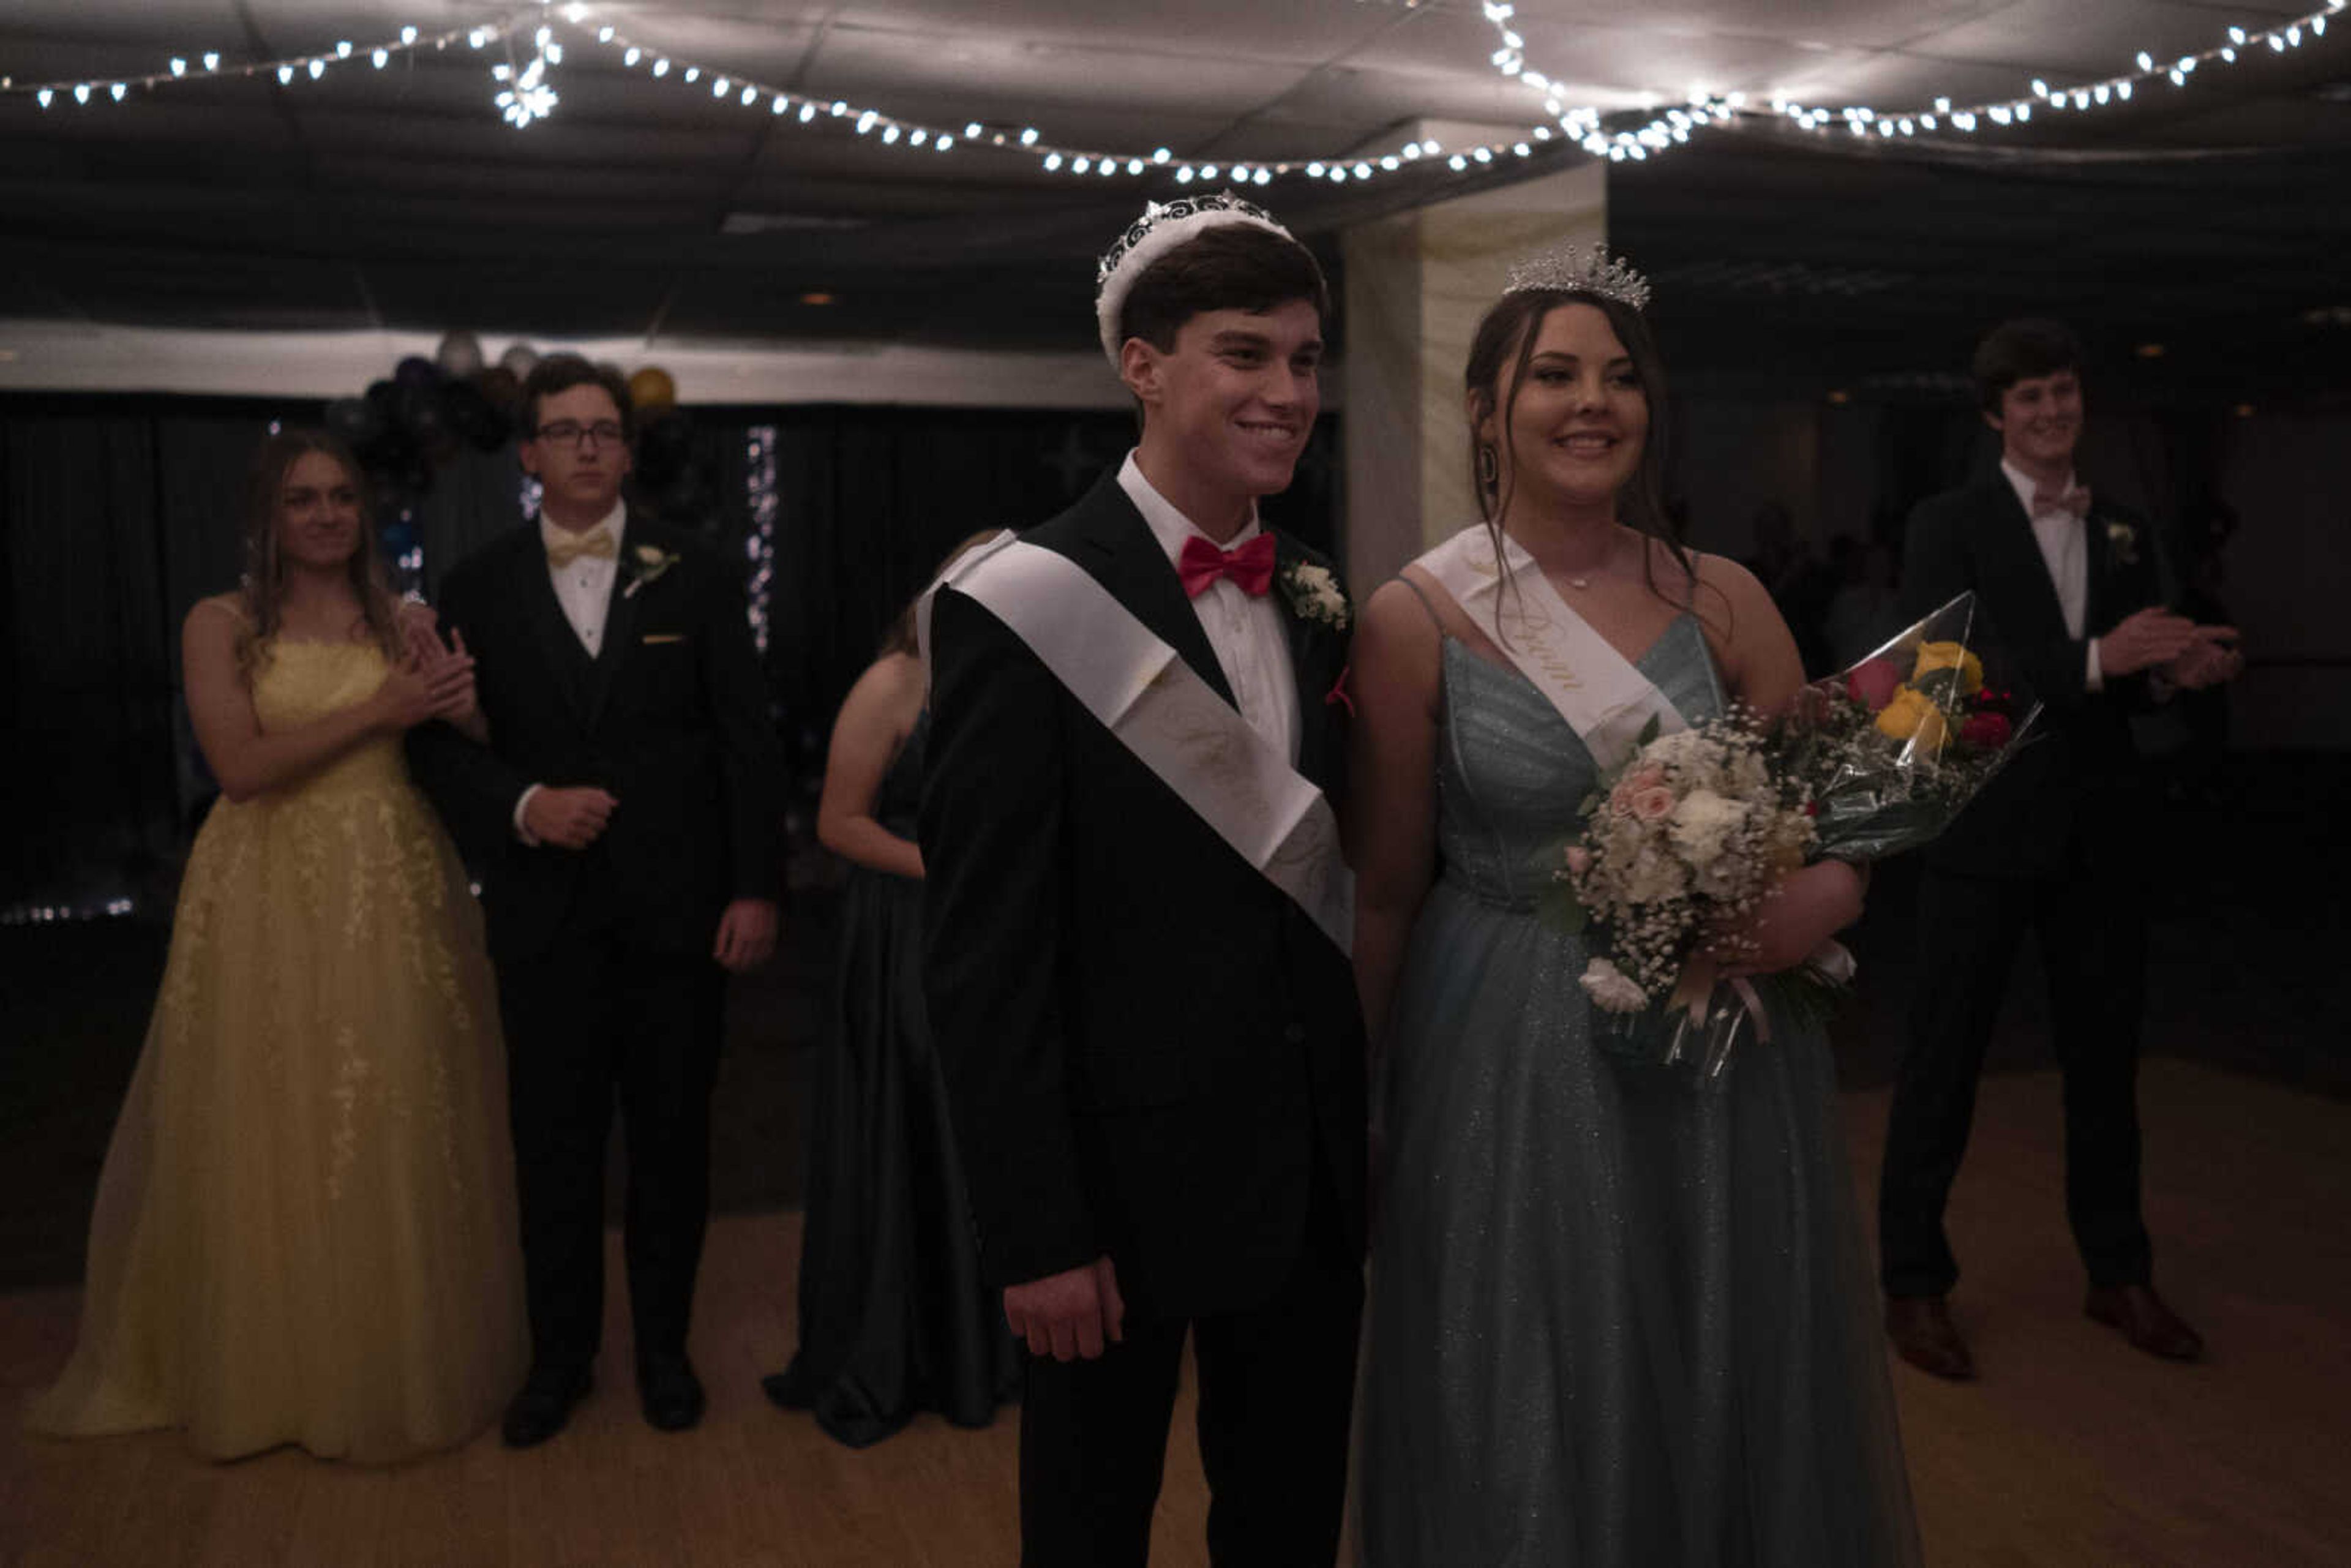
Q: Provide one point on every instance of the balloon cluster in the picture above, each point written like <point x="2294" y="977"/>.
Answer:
<point x="412" y="422"/>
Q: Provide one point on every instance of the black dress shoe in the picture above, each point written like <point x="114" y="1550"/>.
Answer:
<point x="2139" y="1315"/>
<point x="542" y="1409"/>
<point x="671" y="1394"/>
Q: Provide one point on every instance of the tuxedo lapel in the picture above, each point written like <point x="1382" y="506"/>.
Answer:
<point x="1118" y="548"/>
<point x="2096" y="563"/>
<point x="550" y="629"/>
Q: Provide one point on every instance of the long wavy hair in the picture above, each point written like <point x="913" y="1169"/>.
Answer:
<point x="262" y="593"/>
<point x="1499" y="352"/>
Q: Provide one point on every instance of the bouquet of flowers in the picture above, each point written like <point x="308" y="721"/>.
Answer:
<point x="1691" y="833"/>
<point x="1893" y="747"/>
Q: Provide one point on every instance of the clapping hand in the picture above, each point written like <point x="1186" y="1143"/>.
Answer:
<point x="2146" y="640"/>
<point x="450" y="668"/>
<point x="2213" y="657"/>
<point x="416" y="692"/>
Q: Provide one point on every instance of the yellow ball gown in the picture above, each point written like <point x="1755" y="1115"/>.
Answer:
<point x="305" y="1231"/>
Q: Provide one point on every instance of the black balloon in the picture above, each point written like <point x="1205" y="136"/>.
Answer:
<point x="421" y="416"/>
<point x="474" y="417"/>
<point x="355" y="420"/>
<point x="416" y="371"/>
<point x="503" y="388"/>
<point x="665" y="450"/>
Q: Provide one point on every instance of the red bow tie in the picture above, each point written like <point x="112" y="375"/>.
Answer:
<point x="2075" y="500"/>
<point x="1250" y="568"/>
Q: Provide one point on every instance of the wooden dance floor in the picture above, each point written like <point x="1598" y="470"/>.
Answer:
<point x="2072" y="1451"/>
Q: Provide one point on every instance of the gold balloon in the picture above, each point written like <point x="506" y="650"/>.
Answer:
<point x="652" y="388"/>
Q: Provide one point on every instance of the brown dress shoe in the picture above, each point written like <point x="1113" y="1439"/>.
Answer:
<point x="1922" y="1332"/>
<point x="2140" y="1314"/>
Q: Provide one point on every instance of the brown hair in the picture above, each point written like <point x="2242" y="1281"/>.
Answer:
<point x="262" y="593"/>
<point x="1506" y="335"/>
<point x="900" y="638"/>
<point x="2021" y="351"/>
<point x="562" y="373"/>
<point x="1231" y="266"/>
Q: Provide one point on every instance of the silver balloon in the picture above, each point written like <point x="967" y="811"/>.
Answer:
<point x="519" y="360"/>
<point x="459" y="355"/>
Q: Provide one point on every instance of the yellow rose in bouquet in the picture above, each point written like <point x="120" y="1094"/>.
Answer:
<point x="1933" y="656"/>
<point x="1912" y="715"/>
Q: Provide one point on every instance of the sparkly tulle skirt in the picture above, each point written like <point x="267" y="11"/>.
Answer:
<point x="305" y="1228"/>
<point x="1618" y="1318"/>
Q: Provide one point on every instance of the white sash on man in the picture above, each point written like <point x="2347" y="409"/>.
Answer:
<point x="1141" y="689"/>
<point x="1606" y="701"/>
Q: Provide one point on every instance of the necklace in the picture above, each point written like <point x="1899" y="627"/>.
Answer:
<point x="1579" y="583"/>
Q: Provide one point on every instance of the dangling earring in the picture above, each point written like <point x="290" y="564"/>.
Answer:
<point x="1489" y="468"/>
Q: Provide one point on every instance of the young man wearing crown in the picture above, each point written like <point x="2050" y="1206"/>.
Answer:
<point x="1137" y="922"/>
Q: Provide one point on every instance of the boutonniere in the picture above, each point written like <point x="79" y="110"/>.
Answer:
<point x="646" y="563"/>
<point x="2122" y="539"/>
<point x="1314" y="595"/>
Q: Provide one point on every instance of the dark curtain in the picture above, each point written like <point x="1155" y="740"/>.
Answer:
<point x="115" y="515"/>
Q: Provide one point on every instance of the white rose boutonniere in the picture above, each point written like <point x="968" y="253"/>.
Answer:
<point x="2122" y="540"/>
<point x="1314" y="595"/>
<point x="647" y="562"/>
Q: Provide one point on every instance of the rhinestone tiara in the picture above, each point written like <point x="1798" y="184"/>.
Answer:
<point x="1163" y="226"/>
<point x="1584" y="271"/>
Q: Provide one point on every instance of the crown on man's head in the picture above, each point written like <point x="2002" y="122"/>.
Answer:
<point x="1163" y="226"/>
<point x="1584" y="270"/>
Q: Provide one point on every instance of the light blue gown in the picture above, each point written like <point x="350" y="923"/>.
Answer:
<point x="1618" y="1318"/>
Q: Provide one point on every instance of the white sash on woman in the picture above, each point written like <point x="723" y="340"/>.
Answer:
<point x="1142" y="692"/>
<point x="1606" y="701"/>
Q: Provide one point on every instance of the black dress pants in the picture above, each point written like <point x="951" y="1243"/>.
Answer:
<point x="1276" y="1389"/>
<point x="2091" y="931"/>
<point x="597" y="1019"/>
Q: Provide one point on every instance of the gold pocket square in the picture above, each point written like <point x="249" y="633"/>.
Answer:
<point x="664" y="637"/>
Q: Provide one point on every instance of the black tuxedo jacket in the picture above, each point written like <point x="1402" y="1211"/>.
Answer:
<point x="2072" y="791"/>
<point x="1146" y="1043"/>
<point x="671" y="717"/>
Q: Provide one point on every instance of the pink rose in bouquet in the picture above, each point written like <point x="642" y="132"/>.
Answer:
<point x="1654" y="804"/>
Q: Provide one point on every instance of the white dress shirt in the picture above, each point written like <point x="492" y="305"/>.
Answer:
<point x="2065" y="549"/>
<point x="583" y="587"/>
<point x="1251" y="645"/>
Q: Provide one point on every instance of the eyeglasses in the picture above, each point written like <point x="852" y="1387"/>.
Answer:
<point x="571" y="432"/>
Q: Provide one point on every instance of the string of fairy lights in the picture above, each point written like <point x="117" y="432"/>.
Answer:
<point x="532" y="48"/>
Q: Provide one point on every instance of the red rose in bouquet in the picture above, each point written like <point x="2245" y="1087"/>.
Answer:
<point x="1874" y="682"/>
<point x="1986" y="730"/>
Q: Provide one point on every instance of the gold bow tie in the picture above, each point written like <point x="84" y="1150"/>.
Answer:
<point x="568" y="548"/>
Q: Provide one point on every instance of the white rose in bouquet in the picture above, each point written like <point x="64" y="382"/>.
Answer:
<point x="1610" y="988"/>
<point x="1703" y="823"/>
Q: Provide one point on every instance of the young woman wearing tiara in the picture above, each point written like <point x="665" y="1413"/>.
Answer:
<point x="1618" y="1316"/>
<point x="305" y="1230"/>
